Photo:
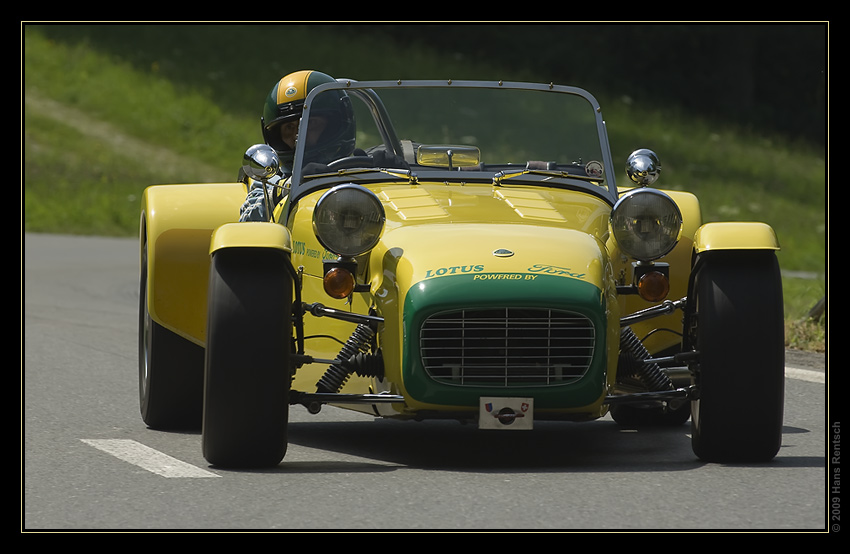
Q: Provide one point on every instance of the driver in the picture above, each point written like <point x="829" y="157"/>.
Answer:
<point x="330" y="133"/>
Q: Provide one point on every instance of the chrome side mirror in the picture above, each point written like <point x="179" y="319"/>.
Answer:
<point x="643" y="167"/>
<point x="260" y="162"/>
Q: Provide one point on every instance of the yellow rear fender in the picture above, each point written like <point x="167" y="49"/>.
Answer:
<point x="177" y="223"/>
<point x="738" y="235"/>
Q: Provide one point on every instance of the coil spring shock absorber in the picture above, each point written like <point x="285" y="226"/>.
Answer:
<point x="649" y="374"/>
<point x="338" y="373"/>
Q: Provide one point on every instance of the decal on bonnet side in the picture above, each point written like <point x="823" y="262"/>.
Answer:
<point x="478" y="273"/>
<point x="555" y="270"/>
<point x="303" y="249"/>
<point x="504" y="276"/>
<point x="454" y="270"/>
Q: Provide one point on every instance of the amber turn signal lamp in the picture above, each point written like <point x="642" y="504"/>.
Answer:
<point x="653" y="286"/>
<point x="338" y="282"/>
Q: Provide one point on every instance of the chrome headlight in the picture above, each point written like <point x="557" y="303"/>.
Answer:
<point x="646" y="223"/>
<point x="348" y="220"/>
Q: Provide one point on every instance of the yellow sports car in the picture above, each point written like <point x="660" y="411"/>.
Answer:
<point x="469" y="255"/>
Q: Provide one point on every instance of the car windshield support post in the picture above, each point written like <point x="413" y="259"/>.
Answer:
<point x="381" y="117"/>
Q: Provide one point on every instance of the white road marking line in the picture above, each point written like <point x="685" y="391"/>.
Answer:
<point x="805" y="375"/>
<point x="147" y="458"/>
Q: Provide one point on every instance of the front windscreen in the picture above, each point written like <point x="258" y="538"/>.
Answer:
<point x="479" y="131"/>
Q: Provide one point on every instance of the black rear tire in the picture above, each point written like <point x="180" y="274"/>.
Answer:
<point x="737" y="325"/>
<point x="247" y="373"/>
<point x="171" y="369"/>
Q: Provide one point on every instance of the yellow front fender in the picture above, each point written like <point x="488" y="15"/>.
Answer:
<point x="251" y="235"/>
<point x="737" y="235"/>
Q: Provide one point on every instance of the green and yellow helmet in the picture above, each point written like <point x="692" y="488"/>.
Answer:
<point x="285" y="103"/>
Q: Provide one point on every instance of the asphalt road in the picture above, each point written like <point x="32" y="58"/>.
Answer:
<point x="89" y="462"/>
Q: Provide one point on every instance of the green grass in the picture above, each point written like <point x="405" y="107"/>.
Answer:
<point x="109" y="110"/>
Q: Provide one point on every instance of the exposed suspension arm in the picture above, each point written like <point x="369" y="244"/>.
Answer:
<point x="666" y="307"/>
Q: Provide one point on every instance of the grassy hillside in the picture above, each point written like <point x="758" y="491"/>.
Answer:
<point x="109" y="110"/>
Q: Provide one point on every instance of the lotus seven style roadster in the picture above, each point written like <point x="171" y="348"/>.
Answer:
<point x="499" y="275"/>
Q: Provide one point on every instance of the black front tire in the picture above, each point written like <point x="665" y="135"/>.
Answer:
<point x="737" y="325"/>
<point x="247" y="370"/>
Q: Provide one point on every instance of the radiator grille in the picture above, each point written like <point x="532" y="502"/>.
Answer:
<point x="506" y="347"/>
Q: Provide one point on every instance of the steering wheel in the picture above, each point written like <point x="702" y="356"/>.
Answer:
<point x="352" y="161"/>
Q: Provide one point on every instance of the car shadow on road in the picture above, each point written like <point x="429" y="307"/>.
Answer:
<point x="447" y="445"/>
<point x="381" y="445"/>
<point x="597" y="446"/>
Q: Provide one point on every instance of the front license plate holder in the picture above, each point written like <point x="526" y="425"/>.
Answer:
<point x="512" y="413"/>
